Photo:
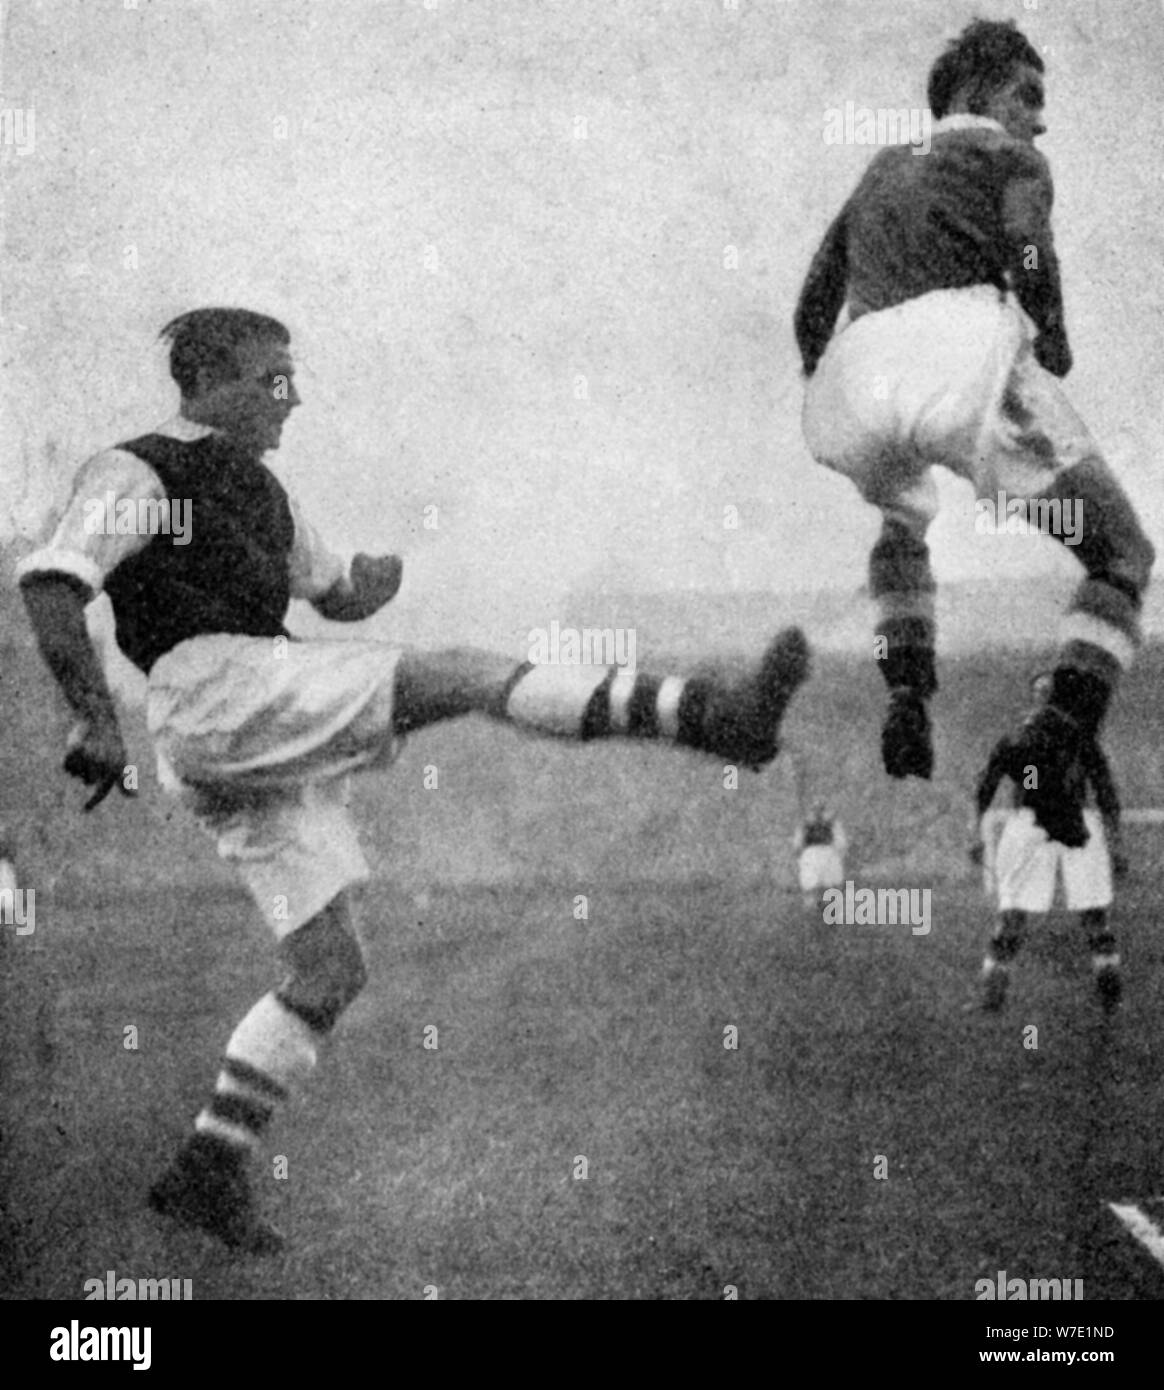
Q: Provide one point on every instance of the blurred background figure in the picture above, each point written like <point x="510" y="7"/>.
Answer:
<point x="820" y="846"/>
<point x="1056" y="827"/>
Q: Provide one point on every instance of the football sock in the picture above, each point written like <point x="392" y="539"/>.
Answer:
<point x="1005" y="942"/>
<point x="902" y="585"/>
<point x="588" y="702"/>
<point x="268" y="1052"/>
<point x="1101" y="939"/>
<point x="1099" y="638"/>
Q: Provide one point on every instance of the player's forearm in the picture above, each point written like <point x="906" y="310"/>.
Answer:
<point x="56" y="611"/>
<point x="1041" y="298"/>
<point x="374" y="581"/>
<point x="984" y="794"/>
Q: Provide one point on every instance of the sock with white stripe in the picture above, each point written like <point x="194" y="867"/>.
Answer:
<point x="269" y="1051"/>
<point x="735" y="720"/>
<point x="1099" y="638"/>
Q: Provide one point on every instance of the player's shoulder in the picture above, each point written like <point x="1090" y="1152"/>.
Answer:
<point x="991" y="144"/>
<point x="114" y="469"/>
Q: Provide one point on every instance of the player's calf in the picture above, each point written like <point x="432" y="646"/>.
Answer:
<point x="1003" y="948"/>
<point x="738" y="720"/>
<point x="272" y="1049"/>
<point x="1105" y="958"/>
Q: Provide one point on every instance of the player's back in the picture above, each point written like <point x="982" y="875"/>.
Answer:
<point x="920" y="222"/>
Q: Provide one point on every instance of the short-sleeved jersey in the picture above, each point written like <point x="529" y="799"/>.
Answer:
<point x="188" y="536"/>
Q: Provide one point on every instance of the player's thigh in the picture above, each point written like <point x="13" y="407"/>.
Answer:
<point x="443" y="684"/>
<point x="1032" y="435"/>
<point x="296" y="848"/>
<point x="1026" y="865"/>
<point x="325" y="963"/>
<point x="1087" y="878"/>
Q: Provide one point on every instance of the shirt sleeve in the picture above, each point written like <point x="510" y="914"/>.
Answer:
<point x="315" y="567"/>
<point x="1103" y="783"/>
<point x="85" y="544"/>
<point x="822" y="294"/>
<point x="996" y="769"/>
<point x="1027" y="197"/>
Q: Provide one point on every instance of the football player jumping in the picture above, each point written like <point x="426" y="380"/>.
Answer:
<point x="256" y="730"/>
<point x="931" y="328"/>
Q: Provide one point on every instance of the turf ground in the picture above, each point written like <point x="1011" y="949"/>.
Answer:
<point x="561" y="1039"/>
<point x="557" y="1038"/>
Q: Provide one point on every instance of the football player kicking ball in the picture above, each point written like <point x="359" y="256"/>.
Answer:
<point x="257" y="730"/>
<point x="940" y="271"/>
<point x="1052" y="829"/>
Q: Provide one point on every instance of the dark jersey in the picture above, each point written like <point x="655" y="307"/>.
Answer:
<point x="232" y="577"/>
<point x="1056" y="790"/>
<point x="946" y="219"/>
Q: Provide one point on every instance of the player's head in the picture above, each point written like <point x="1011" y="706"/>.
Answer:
<point x="234" y="370"/>
<point x="991" y="69"/>
<point x="820" y="811"/>
<point x="1042" y="684"/>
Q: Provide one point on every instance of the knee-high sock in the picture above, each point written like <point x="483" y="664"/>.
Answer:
<point x="1100" y="937"/>
<point x="1099" y="639"/>
<point x="1100" y="634"/>
<point x="902" y="585"/>
<point x="586" y="702"/>
<point x="268" y="1052"/>
<point x="1005" y="942"/>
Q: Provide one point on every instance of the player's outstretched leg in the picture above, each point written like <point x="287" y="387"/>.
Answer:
<point x="902" y="585"/>
<point x="1003" y="948"/>
<point x="1105" y="957"/>
<point x="209" y="1185"/>
<point x="737" y="720"/>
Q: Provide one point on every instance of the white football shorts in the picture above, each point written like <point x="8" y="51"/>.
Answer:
<point x="1028" y="864"/>
<point x="257" y="736"/>
<point x="820" y="867"/>
<point x="947" y="378"/>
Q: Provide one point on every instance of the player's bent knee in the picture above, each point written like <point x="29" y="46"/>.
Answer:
<point x="326" y="969"/>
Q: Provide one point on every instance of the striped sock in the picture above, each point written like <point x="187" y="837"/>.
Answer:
<point x="269" y="1050"/>
<point x="1099" y="638"/>
<point x="902" y="585"/>
<point x="587" y="702"/>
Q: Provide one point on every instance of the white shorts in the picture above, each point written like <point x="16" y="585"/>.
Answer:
<point x="257" y="736"/>
<point x="820" y="867"/>
<point x="1027" y="864"/>
<point x="947" y="378"/>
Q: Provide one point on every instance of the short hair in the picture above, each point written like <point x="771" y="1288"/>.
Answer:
<point x="982" y="57"/>
<point x="210" y="338"/>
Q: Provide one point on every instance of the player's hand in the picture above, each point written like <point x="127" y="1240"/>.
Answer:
<point x="977" y="853"/>
<point x="95" y="755"/>
<point x="376" y="580"/>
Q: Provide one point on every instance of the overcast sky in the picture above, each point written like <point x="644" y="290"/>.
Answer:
<point x="539" y="261"/>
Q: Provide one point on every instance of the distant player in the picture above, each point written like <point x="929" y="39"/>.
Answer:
<point x="820" y="846"/>
<point x="931" y="328"/>
<point x="1053" y="831"/>
<point x="257" y="730"/>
